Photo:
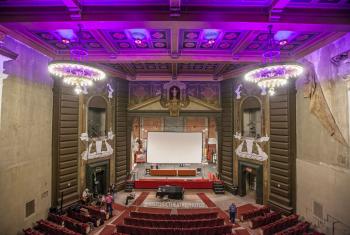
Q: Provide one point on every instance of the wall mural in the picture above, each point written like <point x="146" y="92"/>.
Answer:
<point x="318" y="104"/>
<point x="208" y="92"/>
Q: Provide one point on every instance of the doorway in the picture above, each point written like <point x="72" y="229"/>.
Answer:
<point x="250" y="180"/>
<point x="97" y="177"/>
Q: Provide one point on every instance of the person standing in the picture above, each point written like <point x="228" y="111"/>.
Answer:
<point x="114" y="193"/>
<point x="232" y="210"/>
<point x="109" y="203"/>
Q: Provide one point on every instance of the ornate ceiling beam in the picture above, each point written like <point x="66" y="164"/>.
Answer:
<point x="174" y="70"/>
<point x="74" y="8"/>
<point x="159" y="13"/>
<point x="175" y="8"/>
<point x="105" y="43"/>
<point x="174" y="50"/>
<point x="277" y="9"/>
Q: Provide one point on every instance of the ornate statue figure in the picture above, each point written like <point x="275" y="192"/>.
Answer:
<point x="174" y="97"/>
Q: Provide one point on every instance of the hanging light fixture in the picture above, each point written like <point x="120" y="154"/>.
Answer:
<point x="76" y="72"/>
<point x="272" y="74"/>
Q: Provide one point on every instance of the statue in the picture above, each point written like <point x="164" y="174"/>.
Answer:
<point x="110" y="91"/>
<point x="238" y="91"/>
<point x="174" y="97"/>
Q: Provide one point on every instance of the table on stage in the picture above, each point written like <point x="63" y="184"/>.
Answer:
<point x="173" y="172"/>
<point x="163" y="172"/>
<point x="173" y="192"/>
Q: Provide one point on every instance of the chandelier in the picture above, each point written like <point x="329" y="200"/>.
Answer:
<point x="272" y="74"/>
<point x="76" y="72"/>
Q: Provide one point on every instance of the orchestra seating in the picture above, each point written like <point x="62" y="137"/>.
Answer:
<point x="70" y="223"/>
<point x="30" y="231"/>
<point x="279" y="225"/>
<point x="254" y="213"/>
<point x="263" y="220"/>
<point x="136" y="230"/>
<point x="85" y="218"/>
<point x="299" y="228"/>
<point x="146" y="215"/>
<point x="142" y="223"/>
<point x="51" y="228"/>
<point x="97" y="212"/>
<point x="174" y="223"/>
<point x="79" y="219"/>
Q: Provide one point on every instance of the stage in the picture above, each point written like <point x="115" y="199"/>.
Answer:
<point x="203" y="179"/>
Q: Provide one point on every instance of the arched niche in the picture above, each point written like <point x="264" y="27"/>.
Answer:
<point x="97" y="116"/>
<point x="251" y="117"/>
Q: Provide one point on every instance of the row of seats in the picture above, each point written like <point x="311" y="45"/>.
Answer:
<point x="51" y="228"/>
<point x="70" y="223"/>
<point x="173" y="223"/>
<point x="299" y="228"/>
<point x="137" y="230"/>
<point x="144" y="215"/>
<point x="264" y="220"/>
<point x="30" y="231"/>
<point x="85" y="218"/>
<point x="254" y="213"/>
<point x="279" y="225"/>
<point x="97" y="212"/>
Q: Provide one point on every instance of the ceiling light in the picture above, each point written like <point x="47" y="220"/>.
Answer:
<point x="272" y="74"/>
<point x="76" y="72"/>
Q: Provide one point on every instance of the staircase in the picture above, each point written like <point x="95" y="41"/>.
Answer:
<point x="218" y="187"/>
<point x="129" y="187"/>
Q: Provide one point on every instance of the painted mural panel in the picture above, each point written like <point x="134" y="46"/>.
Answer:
<point x="208" y="92"/>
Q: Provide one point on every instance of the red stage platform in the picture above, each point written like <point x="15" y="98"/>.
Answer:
<point x="186" y="183"/>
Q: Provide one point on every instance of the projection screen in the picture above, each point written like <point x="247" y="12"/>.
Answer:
<point x="174" y="147"/>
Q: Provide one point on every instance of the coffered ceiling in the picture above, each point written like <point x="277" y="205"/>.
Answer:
<point x="136" y="38"/>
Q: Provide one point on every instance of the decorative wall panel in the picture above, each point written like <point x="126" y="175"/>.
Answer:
<point x="226" y="148"/>
<point x="282" y="150"/>
<point x="65" y="145"/>
<point x="208" y="92"/>
<point x="122" y="144"/>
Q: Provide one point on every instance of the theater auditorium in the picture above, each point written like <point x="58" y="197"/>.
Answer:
<point x="174" y="117"/>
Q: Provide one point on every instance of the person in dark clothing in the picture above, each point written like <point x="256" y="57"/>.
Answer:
<point x="232" y="211"/>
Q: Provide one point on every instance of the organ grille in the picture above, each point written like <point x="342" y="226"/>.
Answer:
<point x="282" y="150"/>
<point x="121" y="141"/>
<point x="226" y="158"/>
<point x="65" y="144"/>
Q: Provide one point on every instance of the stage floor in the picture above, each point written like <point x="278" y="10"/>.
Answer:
<point x="207" y="169"/>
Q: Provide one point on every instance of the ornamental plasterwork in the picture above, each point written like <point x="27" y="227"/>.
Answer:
<point x="251" y="148"/>
<point x="98" y="147"/>
<point x="174" y="97"/>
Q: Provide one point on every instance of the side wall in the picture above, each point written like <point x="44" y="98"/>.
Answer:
<point x="25" y="139"/>
<point x="322" y="165"/>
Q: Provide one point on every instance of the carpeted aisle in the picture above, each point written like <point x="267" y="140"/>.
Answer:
<point x="206" y="200"/>
<point x="140" y="199"/>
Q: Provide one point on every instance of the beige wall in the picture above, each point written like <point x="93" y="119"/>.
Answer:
<point x="25" y="140"/>
<point x="322" y="166"/>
